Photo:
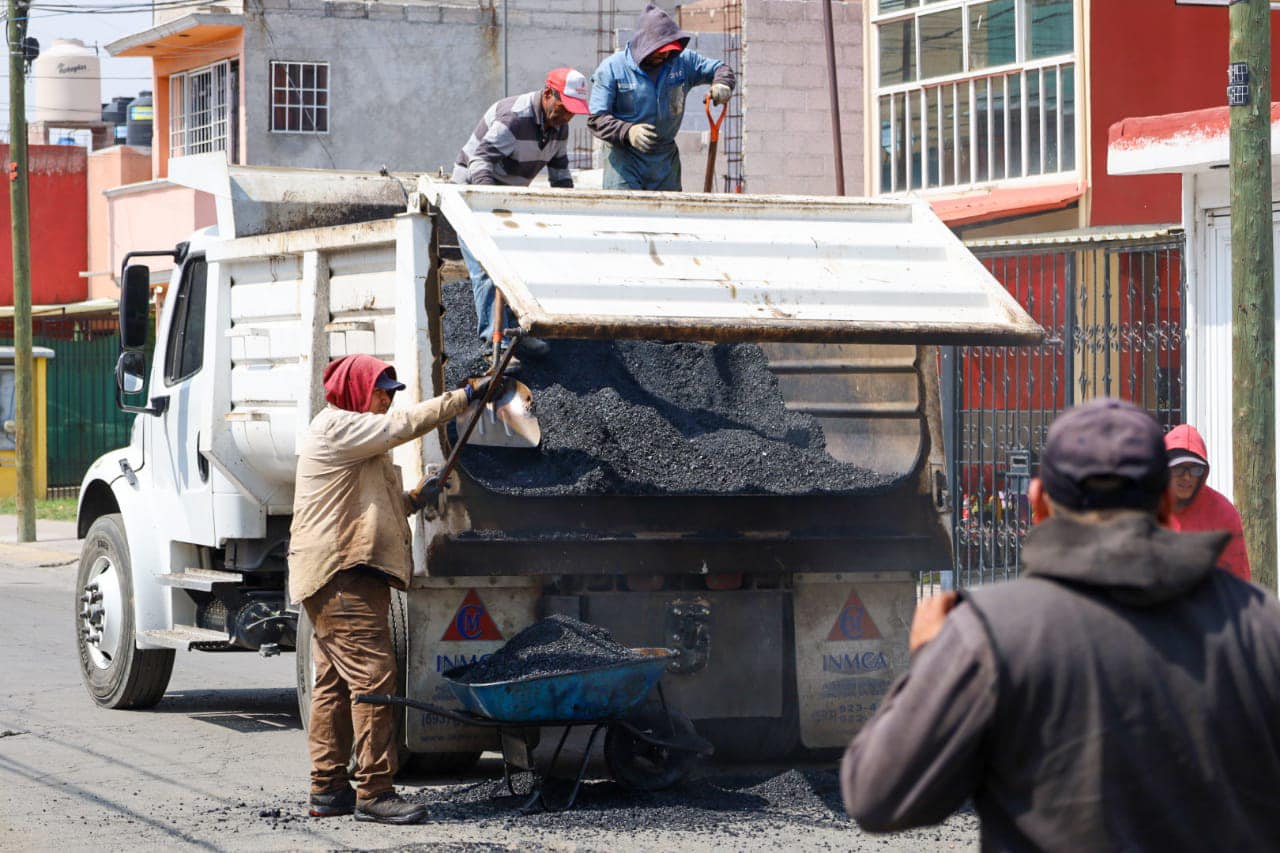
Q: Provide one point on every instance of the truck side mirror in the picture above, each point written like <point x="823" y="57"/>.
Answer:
<point x="130" y="370"/>
<point x="135" y="307"/>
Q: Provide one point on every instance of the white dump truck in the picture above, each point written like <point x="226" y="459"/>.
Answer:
<point x="790" y="613"/>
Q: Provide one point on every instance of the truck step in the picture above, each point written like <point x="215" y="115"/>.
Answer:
<point x="183" y="637"/>
<point x="203" y="580"/>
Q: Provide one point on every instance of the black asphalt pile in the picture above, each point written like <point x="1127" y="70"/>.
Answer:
<point x="552" y="646"/>
<point x="725" y="806"/>
<point x="650" y="418"/>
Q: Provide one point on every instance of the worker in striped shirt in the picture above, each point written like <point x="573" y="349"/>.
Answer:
<point x="514" y="140"/>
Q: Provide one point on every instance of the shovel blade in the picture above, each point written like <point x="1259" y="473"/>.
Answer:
<point x="507" y="421"/>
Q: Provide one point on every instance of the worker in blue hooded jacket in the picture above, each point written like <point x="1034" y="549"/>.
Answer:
<point x="637" y="102"/>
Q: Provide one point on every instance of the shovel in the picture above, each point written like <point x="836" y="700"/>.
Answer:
<point x="715" y="142"/>
<point x="507" y="421"/>
<point x="428" y="490"/>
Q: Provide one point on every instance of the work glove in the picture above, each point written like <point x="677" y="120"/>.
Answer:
<point x="476" y="387"/>
<point x="642" y="137"/>
<point x="428" y="495"/>
<point x="720" y="94"/>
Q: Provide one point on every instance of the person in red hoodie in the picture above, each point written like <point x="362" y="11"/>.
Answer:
<point x="1197" y="506"/>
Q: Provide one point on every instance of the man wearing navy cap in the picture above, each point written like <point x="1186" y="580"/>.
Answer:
<point x="348" y="545"/>
<point x="1123" y="694"/>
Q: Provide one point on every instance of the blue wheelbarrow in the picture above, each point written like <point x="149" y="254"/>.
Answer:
<point x="648" y="746"/>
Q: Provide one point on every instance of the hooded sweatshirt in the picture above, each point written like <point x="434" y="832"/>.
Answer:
<point x="623" y="94"/>
<point x="1208" y="508"/>
<point x="349" y="503"/>
<point x="1121" y="695"/>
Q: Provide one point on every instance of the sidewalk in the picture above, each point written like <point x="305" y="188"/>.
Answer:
<point x="56" y="543"/>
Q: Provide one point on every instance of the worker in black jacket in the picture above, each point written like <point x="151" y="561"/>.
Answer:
<point x="1124" y="694"/>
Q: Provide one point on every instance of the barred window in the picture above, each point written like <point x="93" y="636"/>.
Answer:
<point x="299" y="97"/>
<point x="974" y="91"/>
<point x="202" y="109"/>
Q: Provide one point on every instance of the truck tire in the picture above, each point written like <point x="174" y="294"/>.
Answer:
<point x="115" y="671"/>
<point x="416" y="764"/>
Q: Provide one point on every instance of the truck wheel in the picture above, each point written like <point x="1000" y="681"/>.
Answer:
<point x="115" y="671"/>
<point x="306" y="669"/>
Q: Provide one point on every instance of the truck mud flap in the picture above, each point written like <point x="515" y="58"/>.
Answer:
<point x="453" y="622"/>
<point x="851" y="643"/>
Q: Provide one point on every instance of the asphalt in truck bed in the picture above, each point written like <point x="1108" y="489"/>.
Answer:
<point x="650" y="418"/>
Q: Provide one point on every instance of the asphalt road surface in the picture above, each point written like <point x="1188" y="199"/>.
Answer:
<point x="221" y="764"/>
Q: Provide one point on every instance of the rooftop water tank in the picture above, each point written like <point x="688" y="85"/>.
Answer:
<point x="68" y="83"/>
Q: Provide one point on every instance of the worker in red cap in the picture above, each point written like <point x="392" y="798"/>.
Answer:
<point x="348" y="546"/>
<point x="514" y="140"/>
<point x="1197" y="506"/>
<point x="637" y="102"/>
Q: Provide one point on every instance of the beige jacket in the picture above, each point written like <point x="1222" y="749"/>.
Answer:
<point x="349" y="503"/>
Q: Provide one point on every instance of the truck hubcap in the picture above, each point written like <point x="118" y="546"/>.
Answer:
<point x="101" y="612"/>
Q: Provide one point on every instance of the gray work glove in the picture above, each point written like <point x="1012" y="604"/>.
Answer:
<point x="642" y="136"/>
<point x="720" y="94"/>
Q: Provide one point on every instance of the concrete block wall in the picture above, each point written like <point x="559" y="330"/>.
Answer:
<point x="786" y="141"/>
<point x="408" y="81"/>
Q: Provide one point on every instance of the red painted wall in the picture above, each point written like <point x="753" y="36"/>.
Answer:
<point x="59" y="225"/>
<point x="1150" y="57"/>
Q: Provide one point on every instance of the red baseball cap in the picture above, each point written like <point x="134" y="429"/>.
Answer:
<point x="572" y="87"/>
<point x="676" y="45"/>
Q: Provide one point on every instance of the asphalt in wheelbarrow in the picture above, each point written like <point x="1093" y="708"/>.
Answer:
<point x="557" y="645"/>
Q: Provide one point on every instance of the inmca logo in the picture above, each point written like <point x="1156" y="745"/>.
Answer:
<point x="472" y="621"/>
<point x="858" y="663"/>
<point x="853" y="622"/>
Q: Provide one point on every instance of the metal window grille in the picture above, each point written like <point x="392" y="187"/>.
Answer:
<point x="200" y="105"/>
<point x="974" y="91"/>
<point x="1115" y="318"/>
<point x="299" y="97"/>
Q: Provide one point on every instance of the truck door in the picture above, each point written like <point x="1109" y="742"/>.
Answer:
<point x="181" y="472"/>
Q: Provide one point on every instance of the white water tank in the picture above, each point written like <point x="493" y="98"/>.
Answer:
<point x="68" y="83"/>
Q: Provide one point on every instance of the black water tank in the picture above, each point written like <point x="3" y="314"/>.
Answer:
<point x="138" y="127"/>
<point x="116" y="112"/>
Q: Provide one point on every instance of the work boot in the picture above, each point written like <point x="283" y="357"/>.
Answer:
<point x="388" y="807"/>
<point x="534" y="349"/>
<point x="334" y="803"/>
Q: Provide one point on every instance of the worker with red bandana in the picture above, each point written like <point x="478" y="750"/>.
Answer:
<point x="348" y="545"/>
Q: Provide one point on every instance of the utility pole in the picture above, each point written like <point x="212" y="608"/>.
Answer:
<point x="1253" y="426"/>
<point x="24" y="414"/>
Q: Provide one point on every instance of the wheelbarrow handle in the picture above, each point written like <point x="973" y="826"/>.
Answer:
<point x="447" y="713"/>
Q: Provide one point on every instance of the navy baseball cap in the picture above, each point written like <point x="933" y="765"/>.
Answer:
<point x="1105" y="454"/>
<point x="387" y="381"/>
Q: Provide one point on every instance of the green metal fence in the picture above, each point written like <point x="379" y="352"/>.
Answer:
<point x="83" y="421"/>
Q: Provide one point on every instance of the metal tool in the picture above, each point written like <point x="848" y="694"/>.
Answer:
<point x="428" y="490"/>
<point x="507" y="421"/>
<point x="714" y="144"/>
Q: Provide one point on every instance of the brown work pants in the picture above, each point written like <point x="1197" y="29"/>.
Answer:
<point x="353" y="654"/>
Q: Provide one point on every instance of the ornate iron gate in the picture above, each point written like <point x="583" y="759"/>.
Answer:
<point x="1112" y="308"/>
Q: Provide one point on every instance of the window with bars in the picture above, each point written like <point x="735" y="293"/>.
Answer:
<point x="973" y="91"/>
<point x="203" y="110"/>
<point x="299" y="97"/>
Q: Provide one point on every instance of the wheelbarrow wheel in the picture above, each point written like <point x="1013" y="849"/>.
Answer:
<point x="641" y="766"/>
